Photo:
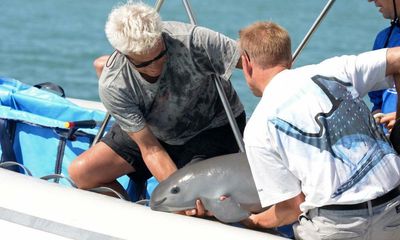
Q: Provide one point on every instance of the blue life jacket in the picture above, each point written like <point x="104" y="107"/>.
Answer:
<point x="385" y="99"/>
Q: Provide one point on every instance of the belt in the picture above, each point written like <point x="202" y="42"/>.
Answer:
<point x="364" y="205"/>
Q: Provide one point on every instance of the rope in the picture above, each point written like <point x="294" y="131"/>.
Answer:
<point x="107" y="190"/>
<point x="11" y="164"/>
<point x="59" y="176"/>
<point x="144" y="202"/>
<point x="101" y="190"/>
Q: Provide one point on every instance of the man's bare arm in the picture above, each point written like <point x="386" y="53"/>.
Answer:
<point x="154" y="155"/>
<point x="393" y="61"/>
<point x="280" y="214"/>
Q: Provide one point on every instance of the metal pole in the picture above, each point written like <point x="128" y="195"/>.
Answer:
<point x="189" y="11"/>
<point x="159" y="3"/>
<point x="312" y="29"/>
<point x="221" y="92"/>
<point x="229" y="113"/>
<point x="102" y="129"/>
<point x="107" y="118"/>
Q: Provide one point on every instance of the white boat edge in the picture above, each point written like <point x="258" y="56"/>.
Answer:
<point x="45" y="210"/>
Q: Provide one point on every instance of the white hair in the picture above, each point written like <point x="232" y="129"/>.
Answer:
<point x="133" y="28"/>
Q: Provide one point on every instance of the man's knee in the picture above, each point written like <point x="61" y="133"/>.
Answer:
<point x="78" y="174"/>
<point x="100" y="165"/>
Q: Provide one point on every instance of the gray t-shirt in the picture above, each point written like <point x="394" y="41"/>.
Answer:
<point x="184" y="101"/>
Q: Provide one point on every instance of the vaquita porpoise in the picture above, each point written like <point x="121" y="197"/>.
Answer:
<point x="208" y="180"/>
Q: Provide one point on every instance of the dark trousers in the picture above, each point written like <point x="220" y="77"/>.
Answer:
<point x="209" y="143"/>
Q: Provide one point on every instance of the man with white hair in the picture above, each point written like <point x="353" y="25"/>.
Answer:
<point x="159" y="86"/>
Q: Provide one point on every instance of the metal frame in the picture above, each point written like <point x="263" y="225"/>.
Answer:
<point x="221" y="92"/>
<point x="312" y="29"/>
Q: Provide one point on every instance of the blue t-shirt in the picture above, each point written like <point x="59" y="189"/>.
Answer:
<point x="385" y="99"/>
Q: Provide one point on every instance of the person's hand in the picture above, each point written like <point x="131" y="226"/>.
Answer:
<point x="388" y="120"/>
<point x="251" y="222"/>
<point x="376" y="111"/>
<point x="199" y="211"/>
<point x="377" y="116"/>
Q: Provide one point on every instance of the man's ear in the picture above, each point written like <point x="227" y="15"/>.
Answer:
<point x="247" y="67"/>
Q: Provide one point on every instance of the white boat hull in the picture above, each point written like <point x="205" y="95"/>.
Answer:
<point x="32" y="208"/>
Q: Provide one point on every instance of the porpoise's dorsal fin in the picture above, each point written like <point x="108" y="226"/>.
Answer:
<point x="226" y="210"/>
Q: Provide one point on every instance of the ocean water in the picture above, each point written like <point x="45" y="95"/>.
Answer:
<point x="57" y="40"/>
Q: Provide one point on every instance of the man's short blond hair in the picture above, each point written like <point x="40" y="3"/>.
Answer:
<point x="267" y="44"/>
<point x="133" y="28"/>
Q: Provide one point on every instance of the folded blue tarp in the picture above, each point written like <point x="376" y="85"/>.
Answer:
<point x="33" y="121"/>
<point x="23" y="102"/>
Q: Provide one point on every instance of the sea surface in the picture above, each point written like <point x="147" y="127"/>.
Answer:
<point x="57" y="40"/>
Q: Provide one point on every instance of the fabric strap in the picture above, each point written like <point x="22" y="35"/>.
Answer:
<point x="7" y="135"/>
<point x="7" y="130"/>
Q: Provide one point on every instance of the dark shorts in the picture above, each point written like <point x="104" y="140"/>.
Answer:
<point x="209" y="143"/>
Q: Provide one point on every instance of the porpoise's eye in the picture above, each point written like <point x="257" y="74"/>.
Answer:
<point x="175" y="190"/>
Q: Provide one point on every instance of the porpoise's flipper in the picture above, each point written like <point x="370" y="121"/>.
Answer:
<point x="227" y="210"/>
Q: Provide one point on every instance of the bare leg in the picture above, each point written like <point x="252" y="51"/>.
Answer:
<point x="99" y="64"/>
<point x="99" y="166"/>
